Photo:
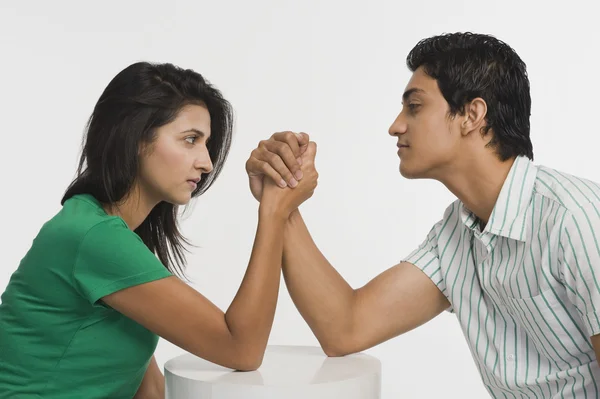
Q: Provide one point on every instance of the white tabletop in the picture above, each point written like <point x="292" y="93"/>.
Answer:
<point x="286" y="372"/>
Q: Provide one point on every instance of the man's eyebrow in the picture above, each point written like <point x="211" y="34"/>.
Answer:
<point x="409" y="92"/>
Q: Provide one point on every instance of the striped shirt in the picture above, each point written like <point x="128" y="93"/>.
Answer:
<point x="526" y="289"/>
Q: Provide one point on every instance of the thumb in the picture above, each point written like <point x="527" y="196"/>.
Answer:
<point x="311" y="150"/>
<point x="305" y="137"/>
<point x="303" y="140"/>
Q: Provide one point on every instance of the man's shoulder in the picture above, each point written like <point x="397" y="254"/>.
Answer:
<point x="453" y="211"/>
<point x="566" y="190"/>
<point x="451" y="217"/>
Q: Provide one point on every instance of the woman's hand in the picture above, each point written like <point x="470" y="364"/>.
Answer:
<point x="278" y="158"/>
<point x="284" y="201"/>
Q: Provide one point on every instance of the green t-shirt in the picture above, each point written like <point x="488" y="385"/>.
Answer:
<point x="57" y="340"/>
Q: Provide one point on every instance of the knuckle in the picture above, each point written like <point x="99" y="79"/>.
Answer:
<point x="271" y="157"/>
<point x="264" y="167"/>
<point x="279" y="145"/>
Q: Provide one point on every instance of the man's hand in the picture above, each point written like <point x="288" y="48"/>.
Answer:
<point x="286" y="200"/>
<point x="278" y="158"/>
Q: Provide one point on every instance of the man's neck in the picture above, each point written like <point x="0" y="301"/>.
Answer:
<point x="477" y="183"/>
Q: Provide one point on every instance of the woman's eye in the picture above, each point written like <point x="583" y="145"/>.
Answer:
<point x="191" y="139"/>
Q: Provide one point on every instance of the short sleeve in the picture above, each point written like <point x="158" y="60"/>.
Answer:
<point x="110" y="258"/>
<point x="580" y="263"/>
<point x="426" y="258"/>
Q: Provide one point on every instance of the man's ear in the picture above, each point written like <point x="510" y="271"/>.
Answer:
<point x="474" y="116"/>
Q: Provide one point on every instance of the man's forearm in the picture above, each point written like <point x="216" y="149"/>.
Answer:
<point x="322" y="296"/>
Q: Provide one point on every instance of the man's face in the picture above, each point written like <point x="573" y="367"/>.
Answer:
<point x="429" y="139"/>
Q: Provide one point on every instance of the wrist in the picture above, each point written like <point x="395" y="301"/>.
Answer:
<point x="294" y="216"/>
<point x="272" y="212"/>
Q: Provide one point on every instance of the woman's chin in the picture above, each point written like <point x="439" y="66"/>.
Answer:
<point x="180" y="199"/>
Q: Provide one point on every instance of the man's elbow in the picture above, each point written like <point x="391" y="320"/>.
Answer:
<point x="340" y="341"/>
<point x="337" y="347"/>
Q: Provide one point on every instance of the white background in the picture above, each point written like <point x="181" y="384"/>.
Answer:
<point x="334" y="69"/>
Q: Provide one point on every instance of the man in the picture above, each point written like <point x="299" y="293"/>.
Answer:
<point x="516" y="257"/>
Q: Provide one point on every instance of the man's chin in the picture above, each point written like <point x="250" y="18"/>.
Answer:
<point x="408" y="173"/>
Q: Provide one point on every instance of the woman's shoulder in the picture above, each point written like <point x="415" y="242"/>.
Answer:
<point x="79" y="215"/>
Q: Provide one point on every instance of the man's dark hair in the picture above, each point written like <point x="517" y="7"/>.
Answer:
<point x="468" y="66"/>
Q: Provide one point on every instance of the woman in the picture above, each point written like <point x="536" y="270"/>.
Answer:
<point x="81" y="316"/>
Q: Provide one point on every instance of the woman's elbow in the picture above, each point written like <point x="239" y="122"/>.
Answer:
<point x="250" y="362"/>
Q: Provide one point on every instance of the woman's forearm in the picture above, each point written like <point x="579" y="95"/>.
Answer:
<point x="250" y="315"/>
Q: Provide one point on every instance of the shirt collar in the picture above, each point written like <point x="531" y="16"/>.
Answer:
<point x="509" y="213"/>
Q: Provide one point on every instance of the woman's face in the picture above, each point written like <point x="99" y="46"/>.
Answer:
<point x="172" y="165"/>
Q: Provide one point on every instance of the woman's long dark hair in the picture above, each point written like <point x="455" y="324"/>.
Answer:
<point x="138" y="100"/>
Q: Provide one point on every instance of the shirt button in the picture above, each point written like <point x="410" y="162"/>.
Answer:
<point x="511" y="357"/>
